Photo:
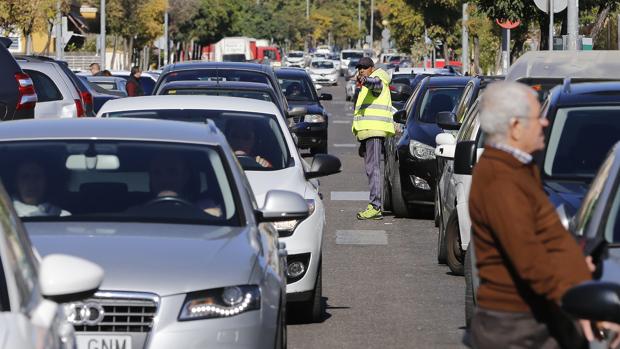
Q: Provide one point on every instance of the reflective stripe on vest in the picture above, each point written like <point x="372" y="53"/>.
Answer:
<point x="373" y="106"/>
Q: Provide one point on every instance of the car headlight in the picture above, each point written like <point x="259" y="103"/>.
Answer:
<point x="220" y="302"/>
<point x="286" y="228"/>
<point x="421" y="151"/>
<point x="314" y="118"/>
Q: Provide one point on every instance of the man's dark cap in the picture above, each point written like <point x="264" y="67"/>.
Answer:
<point x="365" y="62"/>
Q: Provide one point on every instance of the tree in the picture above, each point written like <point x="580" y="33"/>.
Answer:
<point x="406" y="24"/>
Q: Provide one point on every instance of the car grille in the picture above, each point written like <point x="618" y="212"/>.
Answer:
<point x="123" y="315"/>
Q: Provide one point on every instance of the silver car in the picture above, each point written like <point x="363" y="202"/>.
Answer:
<point x="165" y="208"/>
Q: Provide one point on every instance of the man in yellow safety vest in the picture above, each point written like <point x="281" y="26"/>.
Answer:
<point x="372" y="122"/>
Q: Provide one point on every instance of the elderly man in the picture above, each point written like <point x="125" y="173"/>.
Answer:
<point x="95" y="69"/>
<point x="526" y="259"/>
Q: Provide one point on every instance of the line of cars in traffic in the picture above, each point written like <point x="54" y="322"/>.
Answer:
<point x="196" y="201"/>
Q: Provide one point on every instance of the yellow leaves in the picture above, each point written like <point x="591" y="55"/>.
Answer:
<point x="27" y="16"/>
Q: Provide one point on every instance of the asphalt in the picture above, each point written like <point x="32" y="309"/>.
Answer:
<point x="382" y="286"/>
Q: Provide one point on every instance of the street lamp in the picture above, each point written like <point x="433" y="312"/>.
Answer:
<point x="103" y="33"/>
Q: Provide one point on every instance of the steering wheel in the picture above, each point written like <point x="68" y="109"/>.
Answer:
<point x="169" y="200"/>
<point x="247" y="161"/>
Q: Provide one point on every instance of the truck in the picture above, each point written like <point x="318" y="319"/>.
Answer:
<point x="242" y="49"/>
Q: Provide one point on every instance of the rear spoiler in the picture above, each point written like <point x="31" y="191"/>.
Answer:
<point x="6" y="42"/>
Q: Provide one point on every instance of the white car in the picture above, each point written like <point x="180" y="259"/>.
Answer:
<point x="345" y="59"/>
<point x="295" y="59"/>
<point x="303" y="238"/>
<point x="323" y="71"/>
<point x="31" y="291"/>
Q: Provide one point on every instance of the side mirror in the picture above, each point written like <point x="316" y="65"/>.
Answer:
<point x="447" y="120"/>
<point x="326" y="97"/>
<point x="323" y="165"/>
<point x="401" y="116"/>
<point x="594" y="300"/>
<point x="281" y="205"/>
<point x="465" y="157"/>
<point x="446" y="144"/>
<point x="65" y="279"/>
<point x="445" y="138"/>
<point x="297" y="111"/>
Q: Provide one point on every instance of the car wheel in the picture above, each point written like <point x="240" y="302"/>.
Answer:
<point x="469" y="289"/>
<point x="454" y="252"/>
<point x="312" y="310"/>
<point x="347" y="97"/>
<point x="399" y="206"/>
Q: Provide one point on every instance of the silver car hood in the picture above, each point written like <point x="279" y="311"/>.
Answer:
<point x="165" y="259"/>
<point x="286" y="179"/>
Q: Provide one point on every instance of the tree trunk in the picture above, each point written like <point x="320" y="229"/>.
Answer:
<point x="113" y="60"/>
<point x="543" y="22"/>
<point x="603" y="12"/>
<point x="46" y="49"/>
<point x="28" y="43"/>
<point x="125" y="54"/>
<point x="130" y="61"/>
<point x="476" y="55"/>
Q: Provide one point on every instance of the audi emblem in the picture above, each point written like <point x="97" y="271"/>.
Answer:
<point x="89" y="313"/>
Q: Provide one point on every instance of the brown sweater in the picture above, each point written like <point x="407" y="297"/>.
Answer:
<point x="524" y="254"/>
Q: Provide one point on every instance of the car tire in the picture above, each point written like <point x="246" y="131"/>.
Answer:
<point x="469" y="289"/>
<point x="281" y="334"/>
<point x="347" y="97"/>
<point x="399" y="206"/>
<point x="454" y="252"/>
<point x="312" y="310"/>
<point x="387" y="186"/>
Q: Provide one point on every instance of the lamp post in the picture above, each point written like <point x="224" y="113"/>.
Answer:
<point x="59" y="43"/>
<point x="103" y="33"/>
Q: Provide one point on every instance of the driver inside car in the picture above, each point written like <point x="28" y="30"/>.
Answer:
<point x="242" y="139"/>
<point x="31" y="196"/>
<point x="172" y="177"/>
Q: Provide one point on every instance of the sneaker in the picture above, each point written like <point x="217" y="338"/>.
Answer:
<point x="370" y="213"/>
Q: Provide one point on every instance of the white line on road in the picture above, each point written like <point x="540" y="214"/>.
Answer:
<point x="349" y="195"/>
<point x="346" y="145"/>
<point x="361" y="237"/>
<point x="341" y="122"/>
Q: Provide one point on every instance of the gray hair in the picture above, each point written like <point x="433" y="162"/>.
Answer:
<point x="499" y="104"/>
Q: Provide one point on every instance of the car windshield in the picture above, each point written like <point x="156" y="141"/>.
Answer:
<point x="437" y="100"/>
<point x="252" y="136"/>
<point x="297" y="90"/>
<point x="349" y="55"/>
<point x="579" y="140"/>
<point x="323" y="64"/>
<point x="612" y="223"/>
<point x="296" y="54"/>
<point x="216" y="75"/>
<point x="106" y="180"/>
<point x="259" y="95"/>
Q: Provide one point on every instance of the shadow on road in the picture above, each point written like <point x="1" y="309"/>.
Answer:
<point x="294" y="317"/>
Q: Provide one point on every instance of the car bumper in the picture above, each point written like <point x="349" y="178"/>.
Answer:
<point x="306" y="241"/>
<point x="327" y="79"/>
<point x="295" y="64"/>
<point x="418" y="179"/>
<point x="310" y="135"/>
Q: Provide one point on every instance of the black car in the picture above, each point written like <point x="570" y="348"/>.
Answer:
<point x="85" y="94"/>
<point x="311" y="128"/>
<point x="226" y="71"/>
<point x="17" y="95"/>
<point x="410" y="169"/>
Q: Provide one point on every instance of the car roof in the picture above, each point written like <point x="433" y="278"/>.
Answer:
<point x="110" y="128"/>
<point x="587" y="93"/>
<point x="216" y="65"/>
<point x="448" y="80"/>
<point x="158" y="102"/>
<point x="291" y="72"/>
<point x="561" y="64"/>
<point x="255" y="86"/>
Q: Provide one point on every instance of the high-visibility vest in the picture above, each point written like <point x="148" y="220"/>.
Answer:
<point x="374" y="113"/>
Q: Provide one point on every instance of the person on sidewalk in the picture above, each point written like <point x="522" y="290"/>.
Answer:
<point x="133" y="87"/>
<point x="372" y="122"/>
<point x="526" y="259"/>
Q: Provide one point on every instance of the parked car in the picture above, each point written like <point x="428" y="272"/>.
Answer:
<point x="295" y="59"/>
<point x="323" y="71"/>
<point x="85" y="97"/>
<point x="17" y="94"/>
<point x="100" y="95"/>
<point x="346" y="57"/>
<point x="410" y="157"/>
<point x="113" y="84"/>
<point x="249" y="123"/>
<point x="351" y="70"/>
<point x="311" y="129"/>
<point x="32" y="290"/>
<point x="582" y="128"/>
<point x="165" y="208"/>
<point x="57" y="95"/>
<point x="227" y="71"/>
<point x="147" y="81"/>
<point x="349" y="89"/>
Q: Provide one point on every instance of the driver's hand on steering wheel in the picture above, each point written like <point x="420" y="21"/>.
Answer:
<point x="263" y="162"/>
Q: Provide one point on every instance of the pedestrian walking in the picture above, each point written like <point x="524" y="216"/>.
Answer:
<point x="526" y="259"/>
<point x="95" y="69"/>
<point x="372" y="123"/>
<point x="133" y="87"/>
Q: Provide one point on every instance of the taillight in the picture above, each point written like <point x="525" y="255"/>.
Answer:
<point x="87" y="98"/>
<point x="80" y="108"/>
<point x="392" y="88"/>
<point x="27" y="97"/>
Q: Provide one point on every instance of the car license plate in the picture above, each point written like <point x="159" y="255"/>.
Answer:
<point x="103" y="342"/>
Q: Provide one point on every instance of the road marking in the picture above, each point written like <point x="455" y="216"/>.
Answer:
<point x="341" y="121"/>
<point x="349" y="195"/>
<point x="346" y="145"/>
<point x="361" y="237"/>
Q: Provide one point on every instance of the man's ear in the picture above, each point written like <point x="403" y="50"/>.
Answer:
<point x="515" y="129"/>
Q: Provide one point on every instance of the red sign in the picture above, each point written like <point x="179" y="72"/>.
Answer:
<point x="507" y="24"/>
